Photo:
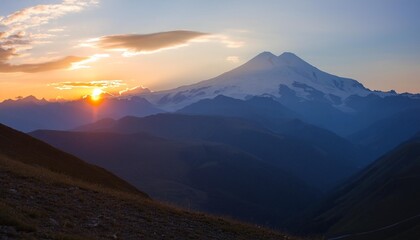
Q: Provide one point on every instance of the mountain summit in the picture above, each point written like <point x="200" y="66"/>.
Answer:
<point x="266" y="75"/>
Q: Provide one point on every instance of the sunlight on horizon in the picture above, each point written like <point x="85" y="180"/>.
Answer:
<point x="96" y="94"/>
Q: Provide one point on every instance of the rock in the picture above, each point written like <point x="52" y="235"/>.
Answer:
<point x="53" y="222"/>
<point x="94" y="222"/>
<point x="7" y="232"/>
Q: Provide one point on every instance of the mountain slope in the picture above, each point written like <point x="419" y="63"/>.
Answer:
<point x="262" y="110"/>
<point x="387" y="133"/>
<point x="329" y="164"/>
<point x="36" y="203"/>
<point x="380" y="203"/>
<point x="272" y="115"/>
<point x="26" y="149"/>
<point x="210" y="177"/>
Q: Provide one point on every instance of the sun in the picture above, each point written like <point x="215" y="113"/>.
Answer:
<point x="96" y="94"/>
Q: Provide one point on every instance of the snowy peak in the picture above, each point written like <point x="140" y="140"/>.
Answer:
<point x="267" y="60"/>
<point x="277" y="77"/>
<point x="264" y="56"/>
<point x="292" y="60"/>
<point x="25" y="100"/>
<point x="284" y="59"/>
<point x="263" y="61"/>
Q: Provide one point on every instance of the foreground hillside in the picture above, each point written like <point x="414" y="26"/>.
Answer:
<point x="39" y="204"/>
<point x="38" y="201"/>
<point x="26" y="149"/>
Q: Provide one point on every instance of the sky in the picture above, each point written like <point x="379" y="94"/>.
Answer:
<point x="63" y="49"/>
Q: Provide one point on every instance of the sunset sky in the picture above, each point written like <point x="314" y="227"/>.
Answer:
<point x="63" y="49"/>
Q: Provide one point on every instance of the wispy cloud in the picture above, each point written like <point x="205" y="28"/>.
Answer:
<point x="17" y="37"/>
<point x="83" y="63"/>
<point x="42" y="14"/>
<point x="232" y="59"/>
<point x="224" y="39"/>
<point x="134" y="44"/>
<point x="134" y="91"/>
<point x="56" y="30"/>
<point x="103" y="84"/>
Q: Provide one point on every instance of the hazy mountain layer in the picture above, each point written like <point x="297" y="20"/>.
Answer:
<point x="210" y="177"/>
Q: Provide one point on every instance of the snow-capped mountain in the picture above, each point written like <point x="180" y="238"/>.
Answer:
<point x="266" y="75"/>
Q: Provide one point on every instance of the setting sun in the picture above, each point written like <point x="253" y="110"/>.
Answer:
<point x="96" y="94"/>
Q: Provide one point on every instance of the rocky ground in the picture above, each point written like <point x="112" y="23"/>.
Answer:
<point x="33" y="208"/>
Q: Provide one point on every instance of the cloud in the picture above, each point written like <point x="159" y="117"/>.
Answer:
<point x="133" y="44"/>
<point x="232" y="59"/>
<point x="226" y="40"/>
<point x="16" y="39"/>
<point x="42" y="14"/>
<point x="56" y="30"/>
<point x="93" y="84"/>
<point x="62" y="63"/>
<point x="6" y="54"/>
<point x="82" y="64"/>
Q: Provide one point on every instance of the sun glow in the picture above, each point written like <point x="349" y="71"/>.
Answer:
<point x="96" y="94"/>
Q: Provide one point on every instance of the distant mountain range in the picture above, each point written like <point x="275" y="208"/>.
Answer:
<point x="28" y="114"/>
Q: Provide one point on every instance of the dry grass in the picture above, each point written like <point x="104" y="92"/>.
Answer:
<point x="150" y="217"/>
<point x="10" y="217"/>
